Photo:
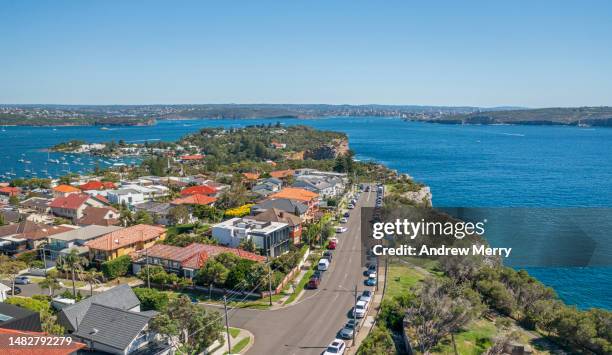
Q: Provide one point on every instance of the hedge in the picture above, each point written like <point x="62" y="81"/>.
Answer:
<point x="117" y="267"/>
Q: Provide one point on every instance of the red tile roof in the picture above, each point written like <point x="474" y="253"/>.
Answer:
<point x="97" y="216"/>
<point x="281" y="173"/>
<point x="97" y="185"/>
<point x="10" y="190"/>
<point x="192" y="157"/>
<point x="293" y="193"/>
<point x="195" y="255"/>
<point x="127" y="236"/>
<point x="32" y="231"/>
<point x="194" y="200"/>
<point x="199" y="190"/>
<point x="251" y="176"/>
<point x="71" y="202"/>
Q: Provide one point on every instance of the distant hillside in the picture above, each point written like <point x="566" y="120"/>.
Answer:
<point x="592" y="116"/>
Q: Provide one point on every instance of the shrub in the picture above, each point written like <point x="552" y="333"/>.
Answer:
<point x="117" y="267"/>
<point x="32" y="304"/>
<point x="151" y="299"/>
<point x="239" y="211"/>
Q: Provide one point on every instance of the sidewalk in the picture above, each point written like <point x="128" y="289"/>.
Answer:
<point x="237" y="343"/>
<point x="370" y="319"/>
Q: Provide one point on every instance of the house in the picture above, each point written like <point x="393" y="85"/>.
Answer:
<point x="116" y="331"/>
<point x="294" y="222"/>
<point x="72" y="206"/>
<point x="128" y="197"/>
<point x="65" y="190"/>
<point x="200" y="190"/>
<point x="291" y="206"/>
<point x="325" y="183"/>
<point x="194" y="200"/>
<point x="120" y="297"/>
<point x="10" y="216"/>
<point x="10" y="191"/>
<point x="185" y="261"/>
<point x="277" y="145"/>
<point x="62" y="243"/>
<point x="124" y="241"/>
<point x="267" y="186"/>
<point x="309" y="198"/>
<point x="97" y="185"/>
<point x="102" y="216"/>
<point x="282" y="174"/>
<point x="160" y="211"/>
<point x="272" y="238"/>
<point x="18" y="318"/>
<point x="250" y="176"/>
<point x="27" y="235"/>
<point x="36" y="204"/>
<point x="191" y="158"/>
<point x="149" y="192"/>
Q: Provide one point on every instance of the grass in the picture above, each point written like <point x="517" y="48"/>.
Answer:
<point x="475" y="339"/>
<point x="300" y="286"/>
<point x="401" y="278"/>
<point x="236" y="349"/>
<point x="234" y="332"/>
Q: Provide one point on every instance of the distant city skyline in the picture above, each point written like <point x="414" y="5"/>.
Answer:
<point x="445" y="53"/>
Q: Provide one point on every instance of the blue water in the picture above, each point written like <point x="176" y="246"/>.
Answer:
<point x="497" y="166"/>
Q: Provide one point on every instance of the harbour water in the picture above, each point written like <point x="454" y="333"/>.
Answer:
<point x="470" y="166"/>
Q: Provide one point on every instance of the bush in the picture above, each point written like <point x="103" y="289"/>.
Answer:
<point x="151" y="299"/>
<point x="117" y="267"/>
<point x="239" y="211"/>
<point x="32" y="304"/>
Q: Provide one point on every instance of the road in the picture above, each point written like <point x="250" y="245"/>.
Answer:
<point x="308" y="326"/>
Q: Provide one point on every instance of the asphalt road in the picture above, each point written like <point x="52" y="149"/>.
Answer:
<point x="308" y="326"/>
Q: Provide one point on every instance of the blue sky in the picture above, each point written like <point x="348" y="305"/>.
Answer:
<point x="484" y="53"/>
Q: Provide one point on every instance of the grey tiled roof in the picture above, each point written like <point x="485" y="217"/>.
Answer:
<point x="110" y="326"/>
<point x="121" y="297"/>
<point x="282" y="204"/>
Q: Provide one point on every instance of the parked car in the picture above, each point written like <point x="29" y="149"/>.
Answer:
<point x="347" y="214"/>
<point x="371" y="269"/>
<point x="366" y="296"/>
<point x="359" y="310"/>
<point x="22" y="280"/>
<point x="336" y="347"/>
<point x="16" y="289"/>
<point x="351" y="206"/>
<point x="318" y="273"/>
<point x="328" y="255"/>
<point x="371" y="281"/>
<point x="323" y="265"/>
<point x="331" y="245"/>
<point x="341" y="229"/>
<point x="348" y="330"/>
<point x="343" y="220"/>
<point x="314" y="282"/>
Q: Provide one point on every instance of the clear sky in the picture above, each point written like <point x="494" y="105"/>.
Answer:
<point x="485" y="53"/>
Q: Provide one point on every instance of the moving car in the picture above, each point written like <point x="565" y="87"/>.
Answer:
<point x="359" y="310"/>
<point x="336" y="347"/>
<point x="323" y="265"/>
<point x="341" y="229"/>
<point x="22" y="280"/>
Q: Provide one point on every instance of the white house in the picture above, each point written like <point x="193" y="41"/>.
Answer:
<point x="271" y="237"/>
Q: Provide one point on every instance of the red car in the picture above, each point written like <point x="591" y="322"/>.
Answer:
<point x="314" y="282"/>
<point x="331" y="245"/>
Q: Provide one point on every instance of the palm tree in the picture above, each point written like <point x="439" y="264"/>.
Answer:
<point x="75" y="264"/>
<point x="50" y="282"/>
<point x="92" y="277"/>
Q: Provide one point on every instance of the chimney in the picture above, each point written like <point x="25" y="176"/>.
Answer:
<point x="281" y="214"/>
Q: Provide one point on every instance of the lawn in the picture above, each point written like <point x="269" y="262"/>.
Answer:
<point x="236" y="349"/>
<point x="234" y="332"/>
<point x="400" y="279"/>
<point x="300" y="286"/>
<point x="475" y="339"/>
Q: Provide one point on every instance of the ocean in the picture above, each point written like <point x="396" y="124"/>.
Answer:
<point x="467" y="166"/>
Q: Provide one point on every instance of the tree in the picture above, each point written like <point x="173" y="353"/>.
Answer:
<point x="14" y="200"/>
<point x="10" y="269"/>
<point x="179" y="214"/>
<point x="436" y="311"/>
<point x="213" y="273"/>
<point x="188" y="325"/>
<point x="50" y="282"/>
<point x="143" y="217"/>
<point x="2" y="220"/>
<point x="151" y="299"/>
<point x="75" y="264"/>
<point x="116" y="267"/>
<point x="248" y="244"/>
<point x="92" y="277"/>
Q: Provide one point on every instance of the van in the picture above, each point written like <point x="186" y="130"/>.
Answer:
<point x="323" y="265"/>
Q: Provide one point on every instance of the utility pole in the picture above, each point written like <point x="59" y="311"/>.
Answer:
<point x="355" y="316"/>
<point x="44" y="259"/>
<point x="147" y="263"/>
<point x="269" y="279"/>
<point x="229" y="341"/>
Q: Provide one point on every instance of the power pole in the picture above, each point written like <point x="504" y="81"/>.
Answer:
<point x="44" y="259"/>
<point x="355" y="316"/>
<point x="229" y="341"/>
<point x="147" y="263"/>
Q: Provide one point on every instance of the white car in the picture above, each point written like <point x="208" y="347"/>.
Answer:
<point x="343" y="220"/>
<point x="336" y="347"/>
<point x="366" y="296"/>
<point x="351" y="206"/>
<point x="359" y="310"/>
<point x="341" y="229"/>
<point x="22" y="280"/>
